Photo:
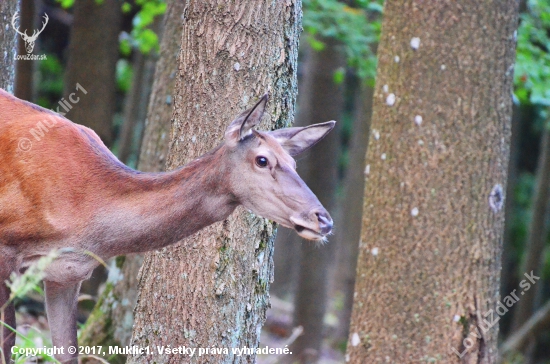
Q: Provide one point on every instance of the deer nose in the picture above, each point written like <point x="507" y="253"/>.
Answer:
<point x="325" y="222"/>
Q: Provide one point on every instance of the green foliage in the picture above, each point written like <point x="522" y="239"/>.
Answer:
<point x="351" y="26"/>
<point x="141" y="36"/>
<point x="124" y="75"/>
<point x="20" y="285"/>
<point x="532" y="71"/>
<point x="50" y="85"/>
<point x="66" y="4"/>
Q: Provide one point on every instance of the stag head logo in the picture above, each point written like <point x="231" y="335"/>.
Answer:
<point x="29" y="40"/>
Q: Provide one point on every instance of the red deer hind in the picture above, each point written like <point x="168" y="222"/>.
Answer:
<point x="69" y="193"/>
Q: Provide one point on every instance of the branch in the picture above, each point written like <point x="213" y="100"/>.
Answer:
<point x="537" y="323"/>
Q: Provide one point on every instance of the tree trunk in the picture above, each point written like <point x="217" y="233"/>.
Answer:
<point x="24" y="69"/>
<point x="8" y="50"/>
<point x="537" y="232"/>
<point x="429" y="265"/>
<point x="349" y="232"/>
<point x="211" y="290"/>
<point x="287" y="255"/>
<point x="322" y="101"/>
<point x="135" y="109"/>
<point x="8" y="45"/>
<point x="94" y="43"/>
<point x="112" y="319"/>
<point x="508" y="278"/>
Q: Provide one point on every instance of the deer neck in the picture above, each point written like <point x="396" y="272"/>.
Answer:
<point x="159" y="209"/>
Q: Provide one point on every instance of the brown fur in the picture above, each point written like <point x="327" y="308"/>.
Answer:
<point x="69" y="192"/>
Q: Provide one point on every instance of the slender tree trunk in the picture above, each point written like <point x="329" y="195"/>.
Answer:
<point x="537" y="232"/>
<point x="349" y="231"/>
<point x="24" y="70"/>
<point x="8" y="44"/>
<point x="323" y="101"/>
<point x="112" y="319"/>
<point x="509" y="277"/>
<point x="8" y="48"/>
<point x="211" y="290"/>
<point x="94" y="43"/>
<point x="433" y="218"/>
<point x="135" y="109"/>
<point x="287" y="255"/>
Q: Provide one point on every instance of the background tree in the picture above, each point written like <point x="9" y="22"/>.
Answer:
<point x="112" y="319"/>
<point x="8" y="43"/>
<point x="8" y="48"/>
<point x="322" y="101"/>
<point x="25" y="69"/>
<point x="215" y="284"/>
<point x="336" y="54"/>
<point x="433" y="219"/>
<point x="526" y="331"/>
<point x="94" y="35"/>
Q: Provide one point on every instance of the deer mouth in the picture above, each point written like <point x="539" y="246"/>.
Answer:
<point x="308" y="234"/>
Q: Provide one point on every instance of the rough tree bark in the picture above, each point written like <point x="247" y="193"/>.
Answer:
<point x="8" y="45"/>
<point x="322" y="101"/>
<point x="211" y="290"/>
<point x="8" y="49"/>
<point x="112" y="319"/>
<point x="429" y="264"/>
<point x="94" y="43"/>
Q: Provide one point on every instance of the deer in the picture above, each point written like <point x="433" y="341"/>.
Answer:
<point x="70" y="194"/>
<point x="29" y="40"/>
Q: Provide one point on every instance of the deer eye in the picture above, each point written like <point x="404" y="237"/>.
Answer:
<point x="261" y="161"/>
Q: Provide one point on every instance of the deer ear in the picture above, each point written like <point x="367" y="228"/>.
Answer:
<point x="243" y="124"/>
<point x="297" y="140"/>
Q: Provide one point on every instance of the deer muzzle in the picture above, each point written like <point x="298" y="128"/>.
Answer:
<point x="315" y="225"/>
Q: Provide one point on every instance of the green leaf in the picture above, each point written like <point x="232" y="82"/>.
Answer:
<point x="124" y="75"/>
<point x="339" y="75"/>
<point x="125" y="47"/>
<point x="317" y="45"/>
<point x="126" y="8"/>
<point x="65" y="4"/>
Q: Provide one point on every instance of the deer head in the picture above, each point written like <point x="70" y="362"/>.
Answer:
<point x="29" y="40"/>
<point x="264" y="178"/>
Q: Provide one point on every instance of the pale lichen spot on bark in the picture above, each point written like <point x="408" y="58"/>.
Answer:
<point x="355" y="340"/>
<point x="390" y="100"/>
<point x="415" y="43"/>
